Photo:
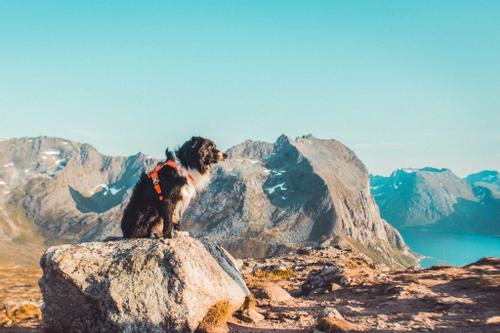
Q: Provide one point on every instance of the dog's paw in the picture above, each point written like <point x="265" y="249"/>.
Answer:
<point x="154" y="235"/>
<point x="179" y="234"/>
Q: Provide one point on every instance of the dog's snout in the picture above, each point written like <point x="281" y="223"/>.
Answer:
<point x="221" y="156"/>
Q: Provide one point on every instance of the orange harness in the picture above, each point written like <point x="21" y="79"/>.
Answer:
<point x="153" y="175"/>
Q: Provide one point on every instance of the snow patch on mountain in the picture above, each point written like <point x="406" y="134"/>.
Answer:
<point x="107" y="189"/>
<point x="278" y="172"/>
<point x="52" y="152"/>
<point x="281" y="186"/>
<point x="114" y="190"/>
<point x="98" y="186"/>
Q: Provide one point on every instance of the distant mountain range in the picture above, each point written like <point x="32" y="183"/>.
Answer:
<point x="266" y="198"/>
<point x="487" y="179"/>
<point x="438" y="199"/>
<point x="54" y="191"/>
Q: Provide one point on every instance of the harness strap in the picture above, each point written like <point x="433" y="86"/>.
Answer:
<point x="153" y="175"/>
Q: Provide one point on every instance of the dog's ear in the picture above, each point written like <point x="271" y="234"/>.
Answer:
<point x="196" y="142"/>
<point x="169" y="155"/>
<point x="203" y="147"/>
<point x="192" y="154"/>
<point x="184" y="154"/>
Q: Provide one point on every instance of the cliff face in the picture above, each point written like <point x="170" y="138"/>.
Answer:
<point x="266" y="200"/>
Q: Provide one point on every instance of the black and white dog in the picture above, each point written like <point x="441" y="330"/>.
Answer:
<point x="161" y="196"/>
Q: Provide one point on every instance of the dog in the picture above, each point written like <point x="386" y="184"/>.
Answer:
<point x="161" y="196"/>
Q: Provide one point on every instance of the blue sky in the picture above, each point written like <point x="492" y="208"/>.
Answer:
<point x="403" y="83"/>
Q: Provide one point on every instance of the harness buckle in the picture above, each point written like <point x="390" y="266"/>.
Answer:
<point x="153" y="175"/>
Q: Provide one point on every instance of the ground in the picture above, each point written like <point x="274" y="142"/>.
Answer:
<point x="343" y="291"/>
<point x="20" y="297"/>
<point x="373" y="298"/>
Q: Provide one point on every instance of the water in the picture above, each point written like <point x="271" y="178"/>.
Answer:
<point x="451" y="248"/>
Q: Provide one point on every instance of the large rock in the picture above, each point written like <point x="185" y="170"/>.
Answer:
<point x="137" y="285"/>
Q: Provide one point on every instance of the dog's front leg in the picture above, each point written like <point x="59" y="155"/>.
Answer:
<point x="168" y="215"/>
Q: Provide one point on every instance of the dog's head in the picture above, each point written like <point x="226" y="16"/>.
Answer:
<point x="199" y="153"/>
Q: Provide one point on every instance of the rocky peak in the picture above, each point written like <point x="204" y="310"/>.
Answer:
<point x="282" y="139"/>
<point x="306" y="191"/>
<point x="255" y="150"/>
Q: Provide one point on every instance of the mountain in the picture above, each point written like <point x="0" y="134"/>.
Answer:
<point x="487" y="179"/>
<point x="270" y="198"/>
<point x="267" y="198"/>
<point x="438" y="199"/>
<point x="54" y="190"/>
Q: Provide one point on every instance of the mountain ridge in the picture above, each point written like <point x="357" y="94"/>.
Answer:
<point x="438" y="199"/>
<point x="290" y="193"/>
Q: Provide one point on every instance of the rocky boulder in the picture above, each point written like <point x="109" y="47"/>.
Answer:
<point x="140" y="285"/>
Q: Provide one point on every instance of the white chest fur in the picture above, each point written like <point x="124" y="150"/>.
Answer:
<point x="188" y="192"/>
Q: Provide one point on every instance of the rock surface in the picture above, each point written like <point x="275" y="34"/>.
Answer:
<point x="274" y="293"/>
<point x="137" y="285"/>
<point x="377" y="299"/>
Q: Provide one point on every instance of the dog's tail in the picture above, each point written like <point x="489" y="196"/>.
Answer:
<point x="169" y="155"/>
